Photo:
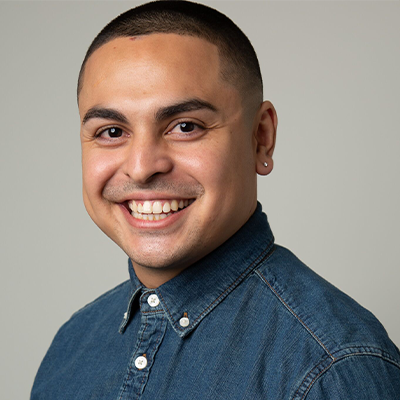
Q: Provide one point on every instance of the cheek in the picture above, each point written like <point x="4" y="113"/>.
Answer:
<point x="217" y="164"/>
<point x="204" y="162"/>
<point x="97" y="169"/>
<point x="231" y="159"/>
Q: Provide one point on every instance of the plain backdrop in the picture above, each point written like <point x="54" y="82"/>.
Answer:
<point x="332" y="71"/>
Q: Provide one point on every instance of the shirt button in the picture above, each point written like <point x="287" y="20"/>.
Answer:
<point x="141" y="362"/>
<point x="153" y="300"/>
<point x="184" y="322"/>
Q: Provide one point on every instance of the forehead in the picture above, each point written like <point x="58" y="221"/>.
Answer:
<point x="156" y="63"/>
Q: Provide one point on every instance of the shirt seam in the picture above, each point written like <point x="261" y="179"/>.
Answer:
<point x="370" y="350"/>
<point x="308" y="329"/>
<point x="131" y="362"/>
<point x="379" y="354"/>
<point x="370" y="354"/>
<point x="320" y="368"/>
<point x="125" y="321"/>
<point x="159" y="311"/>
<point x="153" y="355"/>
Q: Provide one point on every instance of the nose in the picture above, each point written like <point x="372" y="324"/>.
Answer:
<point x="146" y="158"/>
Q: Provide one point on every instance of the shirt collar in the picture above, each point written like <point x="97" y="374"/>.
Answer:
<point x="197" y="290"/>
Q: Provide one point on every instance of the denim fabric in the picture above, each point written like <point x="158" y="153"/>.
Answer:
<point x="261" y="325"/>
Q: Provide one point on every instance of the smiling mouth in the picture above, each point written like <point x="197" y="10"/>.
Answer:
<point x="154" y="210"/>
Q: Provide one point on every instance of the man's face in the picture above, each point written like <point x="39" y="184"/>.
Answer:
<point x="160" y="128"/>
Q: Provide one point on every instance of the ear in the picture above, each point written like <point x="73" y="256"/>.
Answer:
<point x="265" y="135"/>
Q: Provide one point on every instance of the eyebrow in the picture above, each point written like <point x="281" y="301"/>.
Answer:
<point x="185" y="106"/>
<point x="105" y="113"/>
<point x="161" y="114"/>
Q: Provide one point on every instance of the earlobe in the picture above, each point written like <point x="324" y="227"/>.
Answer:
<point x="265" y="135"/>
<point x="266" y="167"/>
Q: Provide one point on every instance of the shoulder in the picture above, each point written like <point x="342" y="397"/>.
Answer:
<point x="121" y="290"/>
<point x="353" y="340"/>
<point x="360" y="375"/>
<point x="107" y="308"/>
<point x="83" y="337"/>
<point x="332" y="317"/>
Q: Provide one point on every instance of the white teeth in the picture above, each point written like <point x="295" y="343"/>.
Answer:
<point x="154" y="211"/>
<point x="147" y="207"/>
<point x="157" y="207"/>
<point x="174" y="205"/>
<point x="133" y="206"/>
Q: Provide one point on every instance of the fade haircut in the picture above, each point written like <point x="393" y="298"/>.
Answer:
<point x="239" y="63"/>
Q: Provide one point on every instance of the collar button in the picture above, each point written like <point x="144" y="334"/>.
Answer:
<point x="153" y="300"/>
<point x="184" y="322"/>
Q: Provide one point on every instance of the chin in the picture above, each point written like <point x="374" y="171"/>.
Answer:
<point x="164" y="257"/>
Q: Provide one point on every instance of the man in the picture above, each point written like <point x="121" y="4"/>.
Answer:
<point x="174" y="131"/>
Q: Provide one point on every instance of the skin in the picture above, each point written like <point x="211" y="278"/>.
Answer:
<point x="213" y="159"/>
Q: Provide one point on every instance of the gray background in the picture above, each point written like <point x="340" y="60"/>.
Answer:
<point x="332" y="71"/>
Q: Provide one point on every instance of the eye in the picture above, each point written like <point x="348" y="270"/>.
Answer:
<point x="186" y="128"/>
<point x="110" y="133"/>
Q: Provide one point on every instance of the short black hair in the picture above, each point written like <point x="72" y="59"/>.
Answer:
<point x="239" y="61"/>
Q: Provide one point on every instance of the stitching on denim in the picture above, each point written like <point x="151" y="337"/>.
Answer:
<point x="262" y="257"/>
<point x="153" y="311"/>
<point x="166" y="307"/>
<point x="158" y="340"/>
<point x="159" y="336"/>
<point x="125" y="322"/>
<point x="141" y="385"/>
<point x="153" y="352"/>
<point x="132" y="361"/>
<point x="294" y="314"/>
<point x="313" y="381"/>
<point x="255" y="263"/>
<point x="380" y="355"/>
<point x="368" y="354"/>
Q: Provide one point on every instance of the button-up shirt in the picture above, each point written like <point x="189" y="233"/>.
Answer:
<point x="248" y="321"/>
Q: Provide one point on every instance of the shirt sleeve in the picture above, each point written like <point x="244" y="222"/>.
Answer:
<point x="361" y="377"/>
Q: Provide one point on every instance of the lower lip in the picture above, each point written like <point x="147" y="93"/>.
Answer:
<point x="161" y="223"/>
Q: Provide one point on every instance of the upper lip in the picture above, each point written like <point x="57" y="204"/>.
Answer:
<point x="155" y="197"/>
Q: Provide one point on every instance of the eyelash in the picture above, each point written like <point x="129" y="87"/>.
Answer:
<point x="196" y="127"/>
<point x="194" y="131"/>
<point x="103" y="130"/>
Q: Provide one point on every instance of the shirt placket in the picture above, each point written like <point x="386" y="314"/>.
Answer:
<point x="150" y="335"/>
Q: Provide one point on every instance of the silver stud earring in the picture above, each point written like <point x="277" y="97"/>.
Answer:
<point x="265" y="164"/>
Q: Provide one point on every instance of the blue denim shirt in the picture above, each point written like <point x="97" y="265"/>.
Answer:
<point x="249" y="321"/>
